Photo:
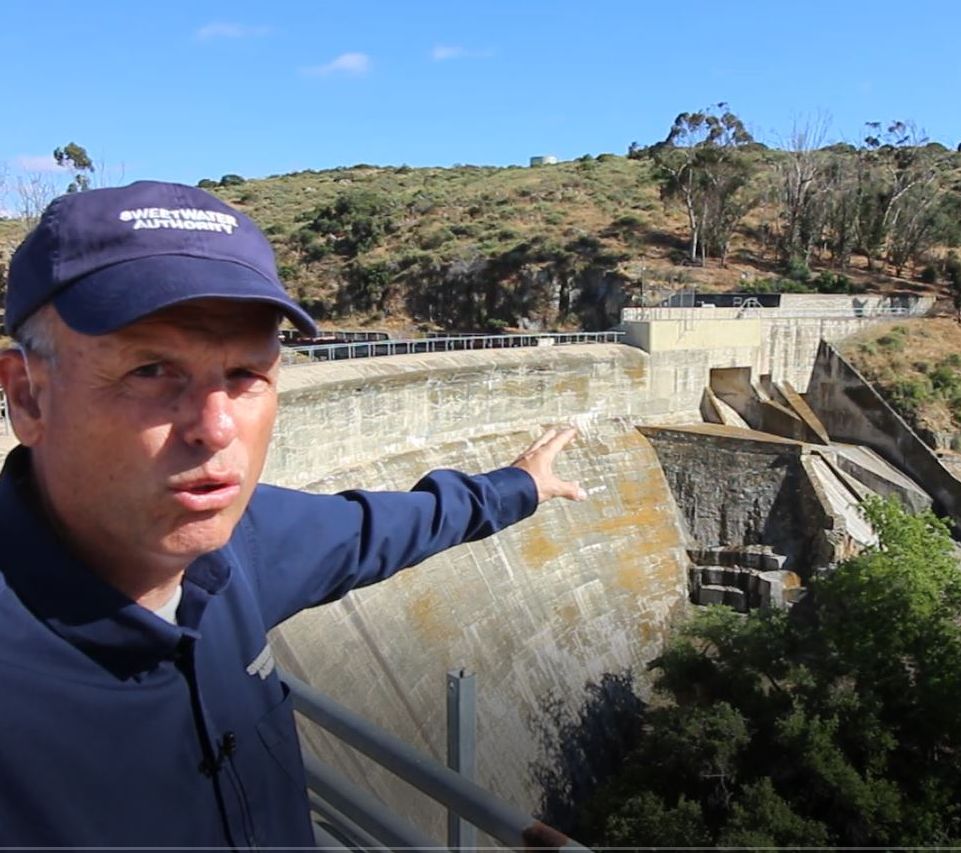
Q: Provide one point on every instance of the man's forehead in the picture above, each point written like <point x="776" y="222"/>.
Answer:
<point x="222" y="317"/>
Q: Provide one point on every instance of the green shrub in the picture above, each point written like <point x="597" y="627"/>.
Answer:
<point x="909" y="394"/>
<point x="232" y="180"/>
<point x="797" y="270"/>
<point x="435" y="239"/>
<point x="828" y="282"/>
<point x="946" y="381"/>
<point x="207" y="184"/>
<point x="891" y="342"/>
<point x="929" y="275"/>
<point x="357" y="221"/>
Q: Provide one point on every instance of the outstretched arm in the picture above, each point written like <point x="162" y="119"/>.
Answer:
<point x="308" y="549"/>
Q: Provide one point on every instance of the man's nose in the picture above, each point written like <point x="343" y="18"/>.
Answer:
<point x="211" y="422"/>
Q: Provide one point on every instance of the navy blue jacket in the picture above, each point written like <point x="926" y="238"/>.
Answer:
<point x="117" y="728"/>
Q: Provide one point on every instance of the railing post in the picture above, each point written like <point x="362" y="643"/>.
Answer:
<point x="461" y="748"/>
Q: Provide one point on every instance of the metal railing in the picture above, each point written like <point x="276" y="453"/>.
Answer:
<point x="454" y="343"/>
<point x="336" y="797"/>
<point x="709" y="312"/>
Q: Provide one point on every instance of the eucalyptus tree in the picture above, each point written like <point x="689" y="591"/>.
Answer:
<point x="702" y="166"/>
<point x="75" y="158"/>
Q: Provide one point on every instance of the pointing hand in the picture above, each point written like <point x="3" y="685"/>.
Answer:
<point x="538" y="461"/>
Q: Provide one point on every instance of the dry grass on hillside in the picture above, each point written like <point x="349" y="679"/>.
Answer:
<point x="916" y="365"/>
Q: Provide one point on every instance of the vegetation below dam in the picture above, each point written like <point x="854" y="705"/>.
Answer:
<point x="836" y="724"/>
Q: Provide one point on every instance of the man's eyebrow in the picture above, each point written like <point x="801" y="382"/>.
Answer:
<point x="141" y="352"/>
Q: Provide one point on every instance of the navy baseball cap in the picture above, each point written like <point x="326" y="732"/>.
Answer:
<point x="109" y="257"/>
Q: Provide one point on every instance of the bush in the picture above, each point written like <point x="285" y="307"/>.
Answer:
<point x="232" y="181"/>
<point x="435" y="239"/>
<point x="356" y="220"/>
<point x="207" y="184"/>
<point x="797" y="270"/>
<point x="892" y="342"/>
<point x="909" y="394"/>
<point x="929" y="275"/>
<point x="828" y="282"/>
<point x="946" y="381"/>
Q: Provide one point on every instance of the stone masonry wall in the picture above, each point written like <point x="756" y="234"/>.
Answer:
<point x="736" y="491"/>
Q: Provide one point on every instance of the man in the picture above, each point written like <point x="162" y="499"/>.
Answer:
<point x="142" y="564"/>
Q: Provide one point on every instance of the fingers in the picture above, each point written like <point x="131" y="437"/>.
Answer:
<point x="557" y="442"/>
<point x="538" y="461"/>
<point x="554" y="440"/>
<point x="571" y="490"/>
<point x="540" y="442"/>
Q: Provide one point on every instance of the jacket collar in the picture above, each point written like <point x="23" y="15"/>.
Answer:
<point x="72" y="601"/>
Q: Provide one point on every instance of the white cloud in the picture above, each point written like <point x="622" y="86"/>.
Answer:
<point x="229" y="30"/>
<point x="443" y="52"/>
<point x="346" y="63"/>
<point x="37" y="163"/>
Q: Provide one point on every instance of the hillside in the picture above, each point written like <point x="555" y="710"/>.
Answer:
<point x="475" y="247"/>
<point x="916" y="366"/>
<point x="568" y="245"/>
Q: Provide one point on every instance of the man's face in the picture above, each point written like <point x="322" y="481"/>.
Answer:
<point x="152" y="438"/>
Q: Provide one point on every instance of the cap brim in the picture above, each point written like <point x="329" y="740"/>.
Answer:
<point x="116" y="296"/>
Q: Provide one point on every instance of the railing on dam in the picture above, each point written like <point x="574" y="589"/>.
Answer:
<point x="353" y="818"/>
<point x="454" y="343"/>
<point x="709" y="312"/>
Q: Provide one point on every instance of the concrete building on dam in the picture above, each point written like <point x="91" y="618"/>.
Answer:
<point x="707" y="452"/>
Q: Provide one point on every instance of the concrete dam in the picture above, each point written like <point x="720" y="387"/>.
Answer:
<point x="559" y="615"/>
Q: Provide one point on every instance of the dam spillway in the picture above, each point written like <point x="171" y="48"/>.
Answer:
<point x="543" y="613"/>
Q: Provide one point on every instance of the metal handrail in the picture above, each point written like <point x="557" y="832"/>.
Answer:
<point x="360" y="807"/>
<point x="728" y="312"/>
<point x="506" y="823"/>
<point x="453" y="343"/>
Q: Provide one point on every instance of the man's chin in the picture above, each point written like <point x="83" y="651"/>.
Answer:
<point x="199" y="536"/>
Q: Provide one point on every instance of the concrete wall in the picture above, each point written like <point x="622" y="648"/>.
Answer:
<point x="573" y="601"/>
<point x="719" y="306"/>
<point x="735" y="488"/>
<point x="344" y="413"/>
<point x="853" y="411"/>
<point x="683" y="352"/>
<point x="681" y="334"/>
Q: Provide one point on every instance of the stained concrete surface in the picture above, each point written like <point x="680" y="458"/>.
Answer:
<point x="578" y="596"/>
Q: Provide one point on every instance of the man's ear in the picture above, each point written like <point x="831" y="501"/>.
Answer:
<point x="22" y="404"/>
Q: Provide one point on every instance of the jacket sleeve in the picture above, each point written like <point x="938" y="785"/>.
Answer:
<point x="306" y="549"/>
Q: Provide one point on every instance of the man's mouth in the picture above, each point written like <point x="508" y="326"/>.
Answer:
<point x="207" y="494"/>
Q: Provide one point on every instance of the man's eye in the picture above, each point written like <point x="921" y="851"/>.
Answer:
<point x="154" y="370"/>
<point x="247" y="380"/>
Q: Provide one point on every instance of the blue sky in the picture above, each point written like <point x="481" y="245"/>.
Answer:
<point x="186" y="90"/>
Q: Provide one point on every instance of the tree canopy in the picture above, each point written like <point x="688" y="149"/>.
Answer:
<point x="75" y="158"/>
<point x="838" y="725"/>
